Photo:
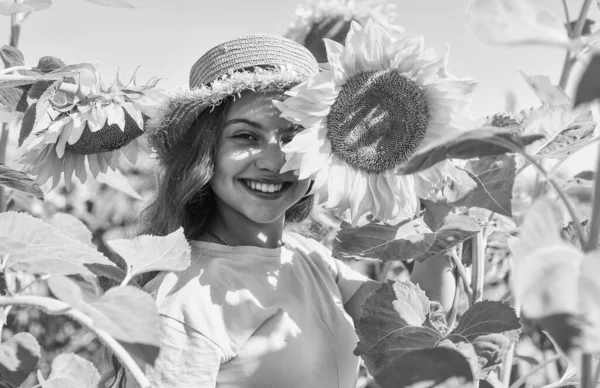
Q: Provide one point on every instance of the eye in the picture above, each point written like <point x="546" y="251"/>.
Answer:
<point x="245" y="136"/>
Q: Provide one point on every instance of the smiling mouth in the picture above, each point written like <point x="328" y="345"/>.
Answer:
<point x="266" y="188"/>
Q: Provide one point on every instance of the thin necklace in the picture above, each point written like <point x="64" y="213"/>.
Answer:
<point x="216" y="236"/>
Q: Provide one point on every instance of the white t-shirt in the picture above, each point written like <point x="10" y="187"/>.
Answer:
<point x="257" y="317"/>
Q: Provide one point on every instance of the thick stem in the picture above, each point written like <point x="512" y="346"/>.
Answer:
<point x="538" y="367"/>
<point x="571" y="58"/>
<point x="460" y="268"/>
<point x="594" y="235"/>
<point x="453" y="313"/>
<point x="478" y="267"/>
<point x="54" y="306"/>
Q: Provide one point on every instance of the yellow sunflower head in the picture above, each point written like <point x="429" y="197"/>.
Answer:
<point x="79" y="127"/>
<point x="378" y="101"/>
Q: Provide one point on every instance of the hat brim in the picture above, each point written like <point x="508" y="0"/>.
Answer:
<point x="182" y="107"/>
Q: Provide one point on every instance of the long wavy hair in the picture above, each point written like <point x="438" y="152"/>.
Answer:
<point x="184" y="197"/>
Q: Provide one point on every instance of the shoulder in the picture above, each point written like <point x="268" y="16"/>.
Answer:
<point x="311" y="250"/>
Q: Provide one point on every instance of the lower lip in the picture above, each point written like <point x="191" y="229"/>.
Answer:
<point x="263" y="195"/>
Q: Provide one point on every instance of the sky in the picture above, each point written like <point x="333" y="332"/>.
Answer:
<point x="165" y="37"/>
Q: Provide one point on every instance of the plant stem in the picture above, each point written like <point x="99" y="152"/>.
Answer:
<point x="9" y="70"/>
<point x="460" y="268"/>
<point x="538" y="367"/>
<point x="566" y="8"/>
<point x="571" y="58"/>
<point x="453" y="313"/>
<point x="594" y="235"/>
<point x="54" y="306"/>
<point x="478" y="267"/>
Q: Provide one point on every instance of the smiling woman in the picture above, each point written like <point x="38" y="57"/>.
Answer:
<point x="259" y="306"/>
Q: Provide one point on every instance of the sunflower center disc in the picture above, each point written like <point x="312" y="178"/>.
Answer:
<point x="378" y="120"/>
<point x="107" y="139"/>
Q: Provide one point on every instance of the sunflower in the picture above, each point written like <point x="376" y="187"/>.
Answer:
<point x="77" y="123"/>
<point x="315" y="12"/>
<point x="378" y="101"/>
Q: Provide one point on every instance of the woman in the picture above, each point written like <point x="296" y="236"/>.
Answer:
<point x="258" y="307"/>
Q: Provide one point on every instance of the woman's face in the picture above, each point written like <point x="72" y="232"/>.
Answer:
<point x="247" y="181"/>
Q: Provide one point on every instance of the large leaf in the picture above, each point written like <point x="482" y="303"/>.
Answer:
<point x="71" y="371"/>
<point x="11" y="7"/>
<point x="18" y="358"/>
<point x="12" y="80"/>
<point x="129" y="315"/>
<point x="472" y="144"/>
<point x="27" y="123"/>
<point x="15" y="99"/>
<point x="48" y="250"/>
<point x="515" y="22"/>
<point x="588" y="88"/>
<point x="483" y="318"/>
<point x="495" y="178"/>
<point x="19" y="181"/>
<point x="154" y="253"/>
<point x="49" y="64"/>
<point x="490" y="327"/>
<point x="390" y="324"/>
<point x="11" y="56"/>
<point x="439" y="367"/>
<point x="565" y="130"/>
<point x="412" y="240"/>
<point x="72" y="227"/>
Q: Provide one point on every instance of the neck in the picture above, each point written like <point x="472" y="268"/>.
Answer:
<point x="236" y="229"/>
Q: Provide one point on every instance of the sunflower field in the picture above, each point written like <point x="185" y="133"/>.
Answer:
<point x="485" y="193"/>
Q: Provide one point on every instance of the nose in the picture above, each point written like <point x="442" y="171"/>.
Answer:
<point x="271" y="158"/>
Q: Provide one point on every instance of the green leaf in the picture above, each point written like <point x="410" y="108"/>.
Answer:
<point x="72" y="227"/>
<point x="12" y="80"/>
<point x="129" y="315"/>
<point x="390" y="324"/>
<point x="154" y="253"/>
<point x="515" y="22"/>
<point x="547" y="92"/>
<point x="27" y="123"/>
<point x="49" y="64"/>
<point x="565" y="130"/>
<point x="403" y="241"/>
<point x="71" y="371"/>
<point x="14" y="98"/>
<point x="483" y="318"/>
<point x="11" y="56"/>
<point x="588" y="88"/>
<point x="75" y="292"/>
<point x="19" y="181"/>
<point x="114" y="3"/>
<point x="11" y="8"/>
<point x="37" y="89"/>
<point x="439" y="367"/>
<point x="495" y="178"/>
<point x="48" y="250"/>
<point x="435" y="213"/>
<point x="18" y="358"/>
<point x="472" y="144"/>
<point x="108" y="271"/>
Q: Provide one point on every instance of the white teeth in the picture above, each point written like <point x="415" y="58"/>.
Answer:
<point x="264" y="187"/>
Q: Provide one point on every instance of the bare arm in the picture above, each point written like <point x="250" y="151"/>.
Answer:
<point x="435" y="277"/>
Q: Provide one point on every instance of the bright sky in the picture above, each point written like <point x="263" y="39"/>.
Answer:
<point x="166" y="37"/>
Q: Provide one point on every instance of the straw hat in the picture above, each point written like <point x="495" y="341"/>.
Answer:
<point x="260" y="62"/>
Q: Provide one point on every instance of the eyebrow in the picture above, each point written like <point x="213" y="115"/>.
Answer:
<point x="243" y="121"/>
